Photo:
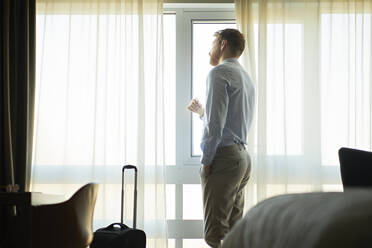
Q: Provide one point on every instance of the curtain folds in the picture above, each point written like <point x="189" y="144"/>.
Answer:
<point x="311" y="61"/>
<point x="17" y="76"/>
<point x="17" y="90"/>
<point x="100" y="105"/>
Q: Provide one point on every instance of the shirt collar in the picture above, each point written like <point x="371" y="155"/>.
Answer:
<point x="234" y="60"/>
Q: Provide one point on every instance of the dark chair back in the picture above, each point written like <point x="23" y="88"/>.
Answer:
<point x="66" y="224"/>
<point x="356" y="167"/>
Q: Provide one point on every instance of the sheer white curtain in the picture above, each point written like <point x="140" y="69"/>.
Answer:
<point x="100" y="104"/>
<point x="311" y="61"/>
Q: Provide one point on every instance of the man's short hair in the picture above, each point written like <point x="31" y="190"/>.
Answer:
<point x="235" y="40"/>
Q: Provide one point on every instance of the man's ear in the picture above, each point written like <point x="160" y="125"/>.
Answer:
<point x="223" y="45"/>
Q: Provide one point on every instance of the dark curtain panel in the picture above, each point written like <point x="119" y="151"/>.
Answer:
<point x="17" y="71"/>
<point x="17" y="77"/>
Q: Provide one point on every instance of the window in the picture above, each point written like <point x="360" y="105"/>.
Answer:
<point x="62" y="38"/>
<point x="345" y="83"/>
<point x="284" y="77"/>
<point x="170" y="83"/>
<point x="194" y="36"/>
<point x="188" y="36"/>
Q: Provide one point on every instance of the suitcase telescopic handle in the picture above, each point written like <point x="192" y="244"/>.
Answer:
<point x="129" y="166"/>
<point x="135" y="194"/>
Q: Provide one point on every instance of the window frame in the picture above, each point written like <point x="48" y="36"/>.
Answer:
<point x="186" y="169"/>
<point x="184" y="22"/>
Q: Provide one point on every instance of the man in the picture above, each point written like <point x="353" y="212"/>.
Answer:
<point x="227" y="117"/>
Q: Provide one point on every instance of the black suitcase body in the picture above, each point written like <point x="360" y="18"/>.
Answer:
<point x="118" y="235"/>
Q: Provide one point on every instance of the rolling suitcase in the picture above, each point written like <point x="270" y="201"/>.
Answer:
<point x="118" y="235"/>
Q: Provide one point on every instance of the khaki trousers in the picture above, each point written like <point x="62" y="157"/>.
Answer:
<point x="223" y="192"/>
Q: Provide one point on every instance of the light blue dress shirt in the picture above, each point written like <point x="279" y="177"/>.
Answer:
<point x="228" y="109"/>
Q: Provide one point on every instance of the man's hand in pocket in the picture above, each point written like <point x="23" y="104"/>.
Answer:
<point x="207" y="169"/>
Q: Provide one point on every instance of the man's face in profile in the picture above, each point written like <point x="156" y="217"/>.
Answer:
<point x="215" y="53"/>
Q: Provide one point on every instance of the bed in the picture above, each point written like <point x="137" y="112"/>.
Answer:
<point x="323" y="219"/>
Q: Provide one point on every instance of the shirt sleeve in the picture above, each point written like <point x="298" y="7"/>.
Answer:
<point x="215" y="115"/>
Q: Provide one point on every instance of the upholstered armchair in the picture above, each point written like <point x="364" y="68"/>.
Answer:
<point x="67" y="224"/>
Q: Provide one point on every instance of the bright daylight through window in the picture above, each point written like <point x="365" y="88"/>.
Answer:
<point x="299" y="127"/>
